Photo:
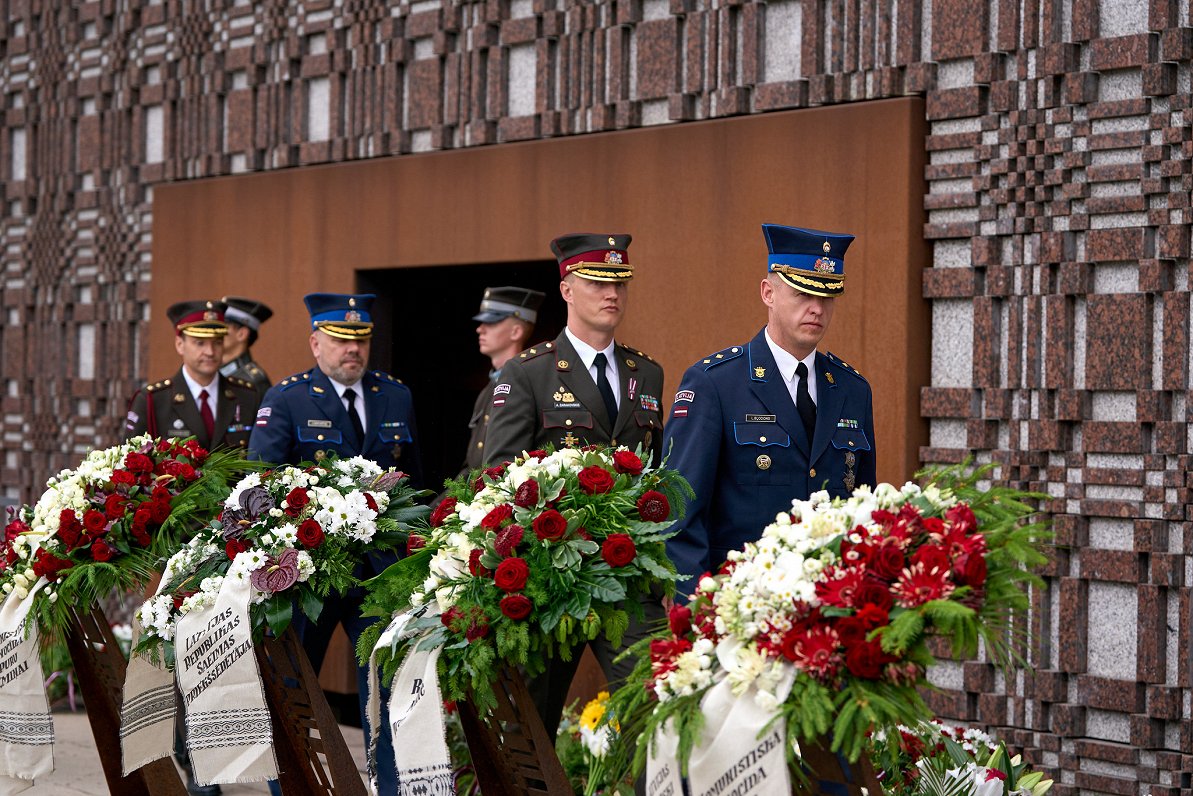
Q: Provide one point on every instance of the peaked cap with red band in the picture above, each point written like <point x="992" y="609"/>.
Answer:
<point x="202" y="319"/>
<point x="600" y="257"/>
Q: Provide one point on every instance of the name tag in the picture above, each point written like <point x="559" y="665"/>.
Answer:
<point x="761" y="419"/>
<point x="318" y="424"/>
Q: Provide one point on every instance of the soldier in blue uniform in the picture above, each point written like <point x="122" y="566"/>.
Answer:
<point x="756" y="425"/>
<point x="340" y="407"/>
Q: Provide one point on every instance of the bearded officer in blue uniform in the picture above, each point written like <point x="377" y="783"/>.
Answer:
<point x="340" y="407"/>
<point x="756" y="425"/>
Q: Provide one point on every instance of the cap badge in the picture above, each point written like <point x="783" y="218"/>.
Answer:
<point x="825" y="247"/>
<point x="824" y="266"/>
<point x="351" y="302"/>
<point x="352" y="316"/>
<point x="611" y="241"/>
<point x="613" y="257"/>
<point x="211" y="315"/>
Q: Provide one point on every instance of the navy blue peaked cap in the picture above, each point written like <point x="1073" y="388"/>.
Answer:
<point x="341" y="315"/>
<point x="809" y="260"/>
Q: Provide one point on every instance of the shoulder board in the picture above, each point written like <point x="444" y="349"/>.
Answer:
<point x="723" y="356"/>
<point x="383" y="376"/>
<point x="629" y="349"/>
<point x="536" y="351"/>
<point x="297" y="378"/>
<point x="836" y="360"/>
<point x="253" y="369"/>
<point x="159" y="385"/>
<point x="238" y="382"/>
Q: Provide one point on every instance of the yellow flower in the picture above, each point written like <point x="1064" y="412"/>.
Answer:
<point x="594" y="711"/>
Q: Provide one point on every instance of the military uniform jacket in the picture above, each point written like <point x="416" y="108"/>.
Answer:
<point x="736" y="436"/>
<point x="302" y="419"/>
<point x="167" y="409"/>
<point x="479" y="426"/>
<point x="545" y="395"/>
<point x="245" y="369"/>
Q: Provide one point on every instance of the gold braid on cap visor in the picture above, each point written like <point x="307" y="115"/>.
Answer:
<point x="602" y="272"/>
<point x="826" y="285"/>
<point x="346" y="332"/>
<point x="204" y="331"/>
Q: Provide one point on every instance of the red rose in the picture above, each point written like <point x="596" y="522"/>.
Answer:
<point x="583" y="533"/>
<point x="451" y="616"/>
<point x="415" y="542"/>
<point x="511" y="574"/>
<point x="123" y="478"/>
<point x="970" y="569"/>
<point x="680" y="619"/>
<point x="475" y="568"/>
<point x="138" y="463"/>
<point x="141" y="537"/>
<point x="516" y="606"/>
<point x="550" y="526"/>
<point x="618" y="550"/>
<point x="932" y="557"/>
<point x="495" y="472"/>
<point x="159" y="510"/>
<point x="296" y="501"/>
<point x="71" y="535"/>
<point x="49" y="565"/>
<point x="235" y="546"/>
<point x="478" y="629"/>
<point x="141" y="518"/>
<point x="595" y="480"/>
<point x="15" y="529"/>
<point x="874" y="595"/>
<point x="527" y="495"/>
<point x="508" y="539"/>
<point x="933" y="525"/>
<point x="114" y="506"/>
<point x="498" y="517"/>
<point x="102" y="551"/>
<point x="627" y="462"/>
<point x="886" y="562"/>
<point x="866" y="659"/>
<point x="310" y="533"/>
<point x="443" y="511"/>
<point x="95" y="522"/>
<point x="653" y="506"/>
<point x="537" y="455"/>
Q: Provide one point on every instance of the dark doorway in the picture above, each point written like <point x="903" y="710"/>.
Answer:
<point x="426" y="337"/>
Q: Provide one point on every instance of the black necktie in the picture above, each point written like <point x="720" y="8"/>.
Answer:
<point x="803" y="402"/>
<point x="350" y="396"/>
<point x="602" y="382"/>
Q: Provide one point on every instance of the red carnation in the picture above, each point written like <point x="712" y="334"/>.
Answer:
<point x="680" y="619"/>
<point x="498" y="517"/>
<point x="653" y="506"/>
<point x="970" y="569"/>
<point x="527" y="495"/>
<point x="235" y="546"/>
<point x="886" y="562"/>
<point x="442" y="512"/>
<point x="618" y="550"/>
<point x="508" y="539"/>
<point x="415" y="542"/>
<point x="475" y="568"/>
<point x="296" y="501"/>
<point x="310" y="533"/>
<point x="95" y="522"/>
<point x="550" y="526"/>
<point x="511" y="574"/>
<point x="138" y="463"/>
<point x="123" y="478"/>
<point x="627" y="462"/>
<point x="595" y="480"/>
<point x="516" y="606"/>
<point x="102" y="551"/>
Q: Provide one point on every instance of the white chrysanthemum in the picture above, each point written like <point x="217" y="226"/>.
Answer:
<point x="248" y="482"/>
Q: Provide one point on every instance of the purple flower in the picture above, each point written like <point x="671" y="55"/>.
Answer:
<point x="276" y="574"/>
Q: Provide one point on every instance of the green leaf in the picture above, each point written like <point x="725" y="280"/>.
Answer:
<point x="279" y="610"/>
<point x="578" y="604"/>
<point x="312" y="605"/>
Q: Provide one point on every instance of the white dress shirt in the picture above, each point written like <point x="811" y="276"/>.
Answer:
<point x="787" y="364"/>
<point x="213" y="392"/>
<point x="587" y="354"/>
<point x="359" y="402"/>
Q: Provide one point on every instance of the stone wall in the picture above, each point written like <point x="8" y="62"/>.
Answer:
<point x="1058" y="199"/>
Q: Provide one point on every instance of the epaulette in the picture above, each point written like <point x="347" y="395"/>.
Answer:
<point x="297" y="378"/>
<point x="633" y="350"/>
<point x="836" y="360"/>
<point x="383" y="376"/>
<point x="723" y="356"/>
<point x="238" y="382"/>
<point x="158" y="386"/>
<point x="253" y="369"/>
<point x="537" y="350"/>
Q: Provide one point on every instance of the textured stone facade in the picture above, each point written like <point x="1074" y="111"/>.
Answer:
<point x="1058" y="198"/>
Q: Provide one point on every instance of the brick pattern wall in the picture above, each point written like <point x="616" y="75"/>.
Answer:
<point x="1058" y="199"/>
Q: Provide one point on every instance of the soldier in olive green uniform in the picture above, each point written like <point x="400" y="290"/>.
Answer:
<point x="505" y="322"/>
<point x="581" y="388"/>
<point x="244" y="318"/>
<point x="197" y="401"/>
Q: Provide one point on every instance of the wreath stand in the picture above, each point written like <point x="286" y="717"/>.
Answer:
<point x="831" y="774"/>
<point x="313" y="759"/>
<point x="511" y="751"/>
<point x="100" y="667"/>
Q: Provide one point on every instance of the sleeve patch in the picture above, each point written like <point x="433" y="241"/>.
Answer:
<point x="133" y="417"/>
<point x="501" y="389"/>
<point x="685" y="395"/>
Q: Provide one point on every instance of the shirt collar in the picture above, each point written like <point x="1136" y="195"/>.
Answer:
<point x="786" y="361"/>
<point x="586" y="352"/>
<point x="339" y="388"/>
<point x="195" y="387"/>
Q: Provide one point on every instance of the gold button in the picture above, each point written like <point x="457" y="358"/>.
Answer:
<point x="812" y="473"/>
<point x="480" y="444"/>
<point x="613" y="442"/>
<point x="320" y="437"/>
<point x="762" y="439"/>
<point x="567" y="422"/>
<point x="763" y="462"/>
<point x="487" y="420"/>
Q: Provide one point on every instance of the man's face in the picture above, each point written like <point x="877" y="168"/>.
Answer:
<point x="342" y="360"/>
<point x="797" y="321"/>
<point x="236" y="342"/>
<point x="493" y="338"/>
<point x="598" y="306"/>
<point x="202" y="356"/>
